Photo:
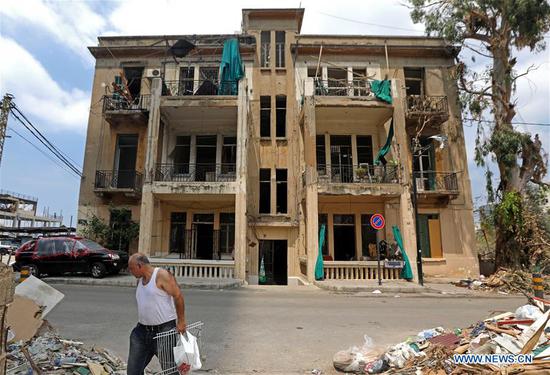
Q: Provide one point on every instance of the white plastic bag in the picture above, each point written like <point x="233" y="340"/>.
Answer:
<point x="186" y="354"/>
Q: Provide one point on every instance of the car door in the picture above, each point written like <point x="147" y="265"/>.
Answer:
<point x="45" y="258"/>
<point x="64" y="256"/>
<point x="81" y="254"/>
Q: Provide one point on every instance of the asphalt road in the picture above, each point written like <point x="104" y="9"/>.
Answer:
<point x="270" y="330"/>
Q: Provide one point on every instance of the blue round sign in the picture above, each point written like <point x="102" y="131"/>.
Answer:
<point x="377" y="221"/>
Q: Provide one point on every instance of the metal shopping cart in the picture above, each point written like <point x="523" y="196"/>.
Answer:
<point x="166" y="341"/>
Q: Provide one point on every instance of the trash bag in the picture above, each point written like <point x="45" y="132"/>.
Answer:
<point x="355" y="358"/>
<point x="528" y="312"/>
<point x="399" y="354"/>
<point x="186" y="354"/>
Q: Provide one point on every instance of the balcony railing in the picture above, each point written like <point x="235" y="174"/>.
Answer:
<point x="118" y="179"/>
<point x="363" y="173"/>
<point x="140" y="103"/>
<point x="418" y="105"/>
<point x="208" y="87"/>
<point x="196" y="172"/>
<point x="432" y="181"/>
<point x="343" y="87"/>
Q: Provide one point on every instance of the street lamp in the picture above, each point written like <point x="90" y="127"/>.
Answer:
<point x="442" y="139"/>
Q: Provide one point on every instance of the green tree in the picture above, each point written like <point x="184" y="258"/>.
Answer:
<point x="495" y="30"/>
<point x="116" y="234"/>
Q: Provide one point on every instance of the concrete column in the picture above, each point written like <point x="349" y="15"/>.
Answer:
<point x="312" y="213"/>
<point x="153" y="130"/>
<point x="196" y="78"/>
<point x="146" y="220"/>
<point x="358" y="236"/>
<point x="241" y="221"/>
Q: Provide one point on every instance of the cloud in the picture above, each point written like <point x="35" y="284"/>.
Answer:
<point x="72" y="23"/>
<point x="38" y="94"/>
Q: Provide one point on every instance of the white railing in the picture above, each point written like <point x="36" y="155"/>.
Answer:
<point x="358" y="270"/>
<point x="208" y="269"/>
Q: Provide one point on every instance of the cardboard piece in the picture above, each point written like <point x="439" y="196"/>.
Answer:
<point x="96" y="368"/>
<point x="40" y="292"/>
<point x="23" y="318"/>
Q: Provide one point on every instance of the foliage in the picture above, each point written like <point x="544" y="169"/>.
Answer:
<point x="117" y="234"/>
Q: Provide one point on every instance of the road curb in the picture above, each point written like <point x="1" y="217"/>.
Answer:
<point x="132" y="284"/>
<point x="370" y="289"/>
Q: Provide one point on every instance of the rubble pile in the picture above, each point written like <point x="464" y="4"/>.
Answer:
<point x="504" y="281"/>
<point x="432" y="351"/>
<point x="48" y="353"/>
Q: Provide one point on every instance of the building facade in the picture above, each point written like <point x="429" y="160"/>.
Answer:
<point x="255" y="174"/>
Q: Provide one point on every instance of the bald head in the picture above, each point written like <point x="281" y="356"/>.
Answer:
<point x="137" y="263"/>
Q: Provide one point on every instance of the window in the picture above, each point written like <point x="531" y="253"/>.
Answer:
<point x="414" y="81"/>
<point x="368" y="234"/>
<point x="280" y="49"/>
<point x="323" y="220"/>
<point x="364" y="149"/>
<point x="187" y="76"/>
<point x="181" y="154"/>
<point x="265" y="116"/>
<point x="229" y="155"/>
<point x="280" y="116"/>
<point x="227" y="235"/>
<point x="321" y="154"/>
<point x="265" y="46"/>
<point x="208" y="83"/>
<point x="90" y="245"/>
<point x="282" y="193"/>
<point x="133" y="79"/>
<point x="265" y="191"/>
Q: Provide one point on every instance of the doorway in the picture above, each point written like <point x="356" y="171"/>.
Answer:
<point x="424" y="166"/>
<point x="125" y="161"/>
<point x="341" y="158"/>
<point x="430" y="235"/>
<point x="344" y="237"/>
<point x="203" y="236"/>
<point x="206" y="158"/>
<point x="274" y="255"/>
<point x="177" y="233"/>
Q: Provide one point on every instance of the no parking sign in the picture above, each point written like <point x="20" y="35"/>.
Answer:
<point x="377" y="221"/>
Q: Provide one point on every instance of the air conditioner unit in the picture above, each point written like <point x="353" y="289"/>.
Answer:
<point x="152" y="73"/>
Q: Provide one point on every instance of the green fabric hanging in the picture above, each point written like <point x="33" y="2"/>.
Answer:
<point x="262" y="278"/>
<point x="319" y="266"/>
<point x="386" y="148"/>
<point x="231" y="69"/>
<point x="382" y="90"/>
<point x="406" y="272"/>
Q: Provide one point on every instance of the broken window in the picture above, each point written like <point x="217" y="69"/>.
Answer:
<point x="265" y="191"/>
<point x="337" y="81"/>
<point x="364" y="149"/>
<point x="229" y="155"/>
<point x="205" y="169"/>
<point x="280" y="116"/>
<point x="321" y="155"/>
<point x="208" y="83"/>
<point x="124" y="175"/>
<point x="282" y="193"/>
<point x="265" y="48"/>
<point x="227" y="235"/>
<point x="414" y="81"/>
<point x="186" y="85"/>
<point x="280" y="49"/>
<point x="265" y="116"/>
<point x="133" y="78"/>
<point x="181" y="154"/>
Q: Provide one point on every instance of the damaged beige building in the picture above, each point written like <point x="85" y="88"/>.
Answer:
<point x="224" y="176"/>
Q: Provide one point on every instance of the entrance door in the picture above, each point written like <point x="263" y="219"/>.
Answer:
<point x="206" y="158"/>
<point x="430" y="235"/>
<point x="177" y="233"/>
<point x="203" y="236"/>
<point x="341" y="158"/>
<point x="124" y="174"/>
<point x="274" y="255"/>
<point x="344" y="237"/>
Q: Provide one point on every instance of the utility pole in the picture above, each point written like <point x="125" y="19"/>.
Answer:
<point x="4" y="113"/>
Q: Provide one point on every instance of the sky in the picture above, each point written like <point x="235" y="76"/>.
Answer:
<point x="45" y="64"/>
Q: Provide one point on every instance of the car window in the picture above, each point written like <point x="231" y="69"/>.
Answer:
<point x="28" y="246"/>
<point x="91" y="245"/>
<point x="46" y="248"/>
<point x="63" y="245"/>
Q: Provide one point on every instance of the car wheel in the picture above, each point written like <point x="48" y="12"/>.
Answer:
<point x="33" y="269"/>
<point x="98" y="270"/>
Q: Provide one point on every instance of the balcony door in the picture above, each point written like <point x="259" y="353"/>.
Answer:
<point x="124" y="170"/>
<point x="424" y="166"/>
<point x="203" y="236"/>
<point x="206" y="158"/>
<point x="341" y="158"/>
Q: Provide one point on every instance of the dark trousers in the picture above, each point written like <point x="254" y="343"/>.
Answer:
<point x="143" y="347"/>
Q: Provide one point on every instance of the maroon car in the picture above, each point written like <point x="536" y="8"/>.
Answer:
<point x="59" y="255"/>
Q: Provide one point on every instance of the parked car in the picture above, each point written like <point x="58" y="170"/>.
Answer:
<point x="7" y="246"/>
<point x="59" y="255"/>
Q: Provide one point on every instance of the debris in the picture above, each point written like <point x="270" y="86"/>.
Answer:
<point x="376" y="291"/>
<point x="23" y="318"/>
<point x="40" y="292"/>
<point x="316" y="371"/>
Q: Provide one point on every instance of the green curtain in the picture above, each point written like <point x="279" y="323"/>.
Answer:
<point x="319" y="266"/>
<point x="382" y="90"/>
<point x="406" y="272"/>
<point x="386" y="148"/>
<point x="231" y="68"/>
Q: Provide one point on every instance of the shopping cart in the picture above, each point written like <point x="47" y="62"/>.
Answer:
<point x="166" y="341"/>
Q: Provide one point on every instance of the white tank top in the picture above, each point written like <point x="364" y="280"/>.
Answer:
<point x="155" y="306"/>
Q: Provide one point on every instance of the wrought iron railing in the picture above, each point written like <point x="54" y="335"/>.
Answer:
<point x="363" y="173"/>
<point x="196" y="172"/>
<point x="418" y="105"/>
<point x="205" y="87"/>
<point x="118" y="179"/>
<point x="343" y="87"/>
<point x="196" y="244"/>
<point x="436" y="181"/>
<point x="119" y="103"/>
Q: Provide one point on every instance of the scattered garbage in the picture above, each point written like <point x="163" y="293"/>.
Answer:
<point x="431" y="351"/>
<point x="504" y="281"/>
<point x="376" y="291"/>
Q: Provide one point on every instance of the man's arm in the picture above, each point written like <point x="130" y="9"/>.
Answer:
<point x="169" y="285"/>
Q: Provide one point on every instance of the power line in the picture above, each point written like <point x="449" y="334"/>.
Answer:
<point x="513" y="123"/>
<point x="371" y="24"/>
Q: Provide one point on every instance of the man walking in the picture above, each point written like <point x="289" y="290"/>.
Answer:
<point x="160" y="308"/>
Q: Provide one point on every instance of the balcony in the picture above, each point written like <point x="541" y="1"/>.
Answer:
<point x="118" y="110"/>
<point x="342" y="87"/>
<point x="364" y="179"/>
<point x="434" y="110"/>
<point x="203" y="87"/>
<point x="195" y="178"/>
<point x="437" y="184"/>
<point x="109" y="182"/>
